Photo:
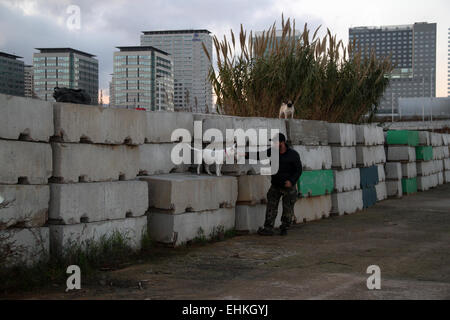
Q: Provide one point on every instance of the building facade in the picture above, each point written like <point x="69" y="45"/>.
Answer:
<point x="413" y="50"/>
<point x="29" y="85"/>
<point x="64" y="67"/>
<point x="11" y="74"/>
<point x="448" y="61"/>
<point x="142" y="79"/>
<point x="192" y="89"/>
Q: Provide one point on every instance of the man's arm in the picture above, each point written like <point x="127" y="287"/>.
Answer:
<point x="298" y="169"/>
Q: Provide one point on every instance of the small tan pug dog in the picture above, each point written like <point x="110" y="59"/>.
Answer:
<point x="287" y="110"/>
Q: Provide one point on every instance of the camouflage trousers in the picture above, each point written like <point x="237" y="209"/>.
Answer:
<point x="273" y="199"/>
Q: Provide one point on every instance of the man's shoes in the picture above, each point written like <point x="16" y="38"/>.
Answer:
<point x="265" y="232"/>
<point x="283" y="231"/>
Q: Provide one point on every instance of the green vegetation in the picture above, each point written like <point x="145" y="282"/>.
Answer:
<point x="325" y="80"/>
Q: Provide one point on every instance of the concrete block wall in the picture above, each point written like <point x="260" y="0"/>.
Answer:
<point x="26" y="165"/>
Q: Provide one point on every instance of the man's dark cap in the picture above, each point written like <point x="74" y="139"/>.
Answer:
<point x="279" y="137"/>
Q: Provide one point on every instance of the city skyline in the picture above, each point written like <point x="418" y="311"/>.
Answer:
<point x="105" y="25"/>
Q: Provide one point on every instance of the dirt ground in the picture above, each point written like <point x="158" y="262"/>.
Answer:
<point x="408" y="239"/>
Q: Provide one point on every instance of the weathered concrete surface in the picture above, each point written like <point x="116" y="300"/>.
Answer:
<point x="253" y="189"/>
<point x="381" y="190"/>
<point x="425" y="183"/>
<point x="440" y="178"/>
<point x="30" y="245"/>
<point x="439" y="153"/>
<point x="394" y="171"/>
<point x="160" y="125"/>
<point x="424" y="138"/>
<point x="312" y="209"/>
<point x="347" y="180"/>
<point x="409" y="186"/>
<point x="381" y="173"/>
<point x="29" y="160"/>
<point x="447" y="164"/>
<point x="62" y="236"/>
<point x="25" y="118"/>
<point x="343" y="157"/>
<point x="369" y="156"/>
<point x="75" y="123"/>
<point x="369" y="135"/>
<point x="100" y="201"/>
<point x="94" y="163"/>
<point x="307" y="133"/>
<point x="221" y="123"/>
<point x="249" y="218"/>
<point x="438" y="166"/>
<point x="369" y="197"/>
<point x="394" y="188"/>
<point x="177" y="229"/>
<point x="314" y="158"/>
<point x="425" y="168"/>
<point x="156" y="159"/>
<point x="24" y="206"/>
<point x="326" y="259"/>
<point x="409" y="170"/>
<point x="402" y="137"/>
<point x="447" y="176"/>
<point x="316" y="183"/>
<point x="369" y="177"/>
<point x="342" y="134"/>
<point x="347" y="202"/>
<point x="436" y="139"/>
<point x="401" y="153"/>
<point x="178" y="193"/>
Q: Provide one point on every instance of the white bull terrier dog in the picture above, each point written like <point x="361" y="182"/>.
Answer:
<point x="217" y="157"/>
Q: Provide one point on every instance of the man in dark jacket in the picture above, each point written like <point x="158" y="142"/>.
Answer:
<point x="284" y="185"/>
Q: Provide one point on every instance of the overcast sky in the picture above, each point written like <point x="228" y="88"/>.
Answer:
<point x="105" y="24"/>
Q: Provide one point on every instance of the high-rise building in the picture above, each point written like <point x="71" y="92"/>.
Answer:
<point x="192" y="89"/>
<point x="64" y="67"/>
<point x="111" y="94"/>
<point x="142" y="79"/>
<point x="413" y="50"/>
<point x="296" y="34"/>
<point x="11" y="74"/>
<point x="29" y="85"/>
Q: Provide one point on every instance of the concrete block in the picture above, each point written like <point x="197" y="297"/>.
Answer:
<point x="401" y="153"/>
<point x="23" y="206"/>
<point x="447" y="164"/>
<point x="157" y="159"/>
<point x="253" y="189"/>
<point x="94" y="163"/>
<point x="316" y="183"/>
<point x="446" y="139"/>
<point x="402" y="137"/>
<point x="369" y="156"/>
<point x="424" y="153"/>
<point x="29" y="246"/>
<point x="381" y="173"/>
<point x="436" y="139"/>
<point x="80" y="123"/>
<point x="259" y="124"/>
<point x="347" y="180"/>
<point x="409" y="186"/>
<point x="369" y="135"/>
<point x="394" y="188"/>
<point x="439" y="153"/>
<point x="100" y="201"/>
<point x="369" y="177"/>
<point x="63" y="236"/>
<point x="424" y="138"/>
<point x="346" y="202"/>
<point x="447" y="176"/>
<point x="369" y="197"/>
<point x="179" y="193"/>
<point x="30" y="162"/>
<point x="343" y="157"/>
<point x="312" y="209"/>
<point x="409" y="170"/>
<point x="307" y="132"/>
<point x="381" y="190"/>
<point x="425" y="168"/>
<point x="25" y="119"/>
<point x="221" y="123"/>
<point x="314" y="158"/>
<point x="438" y="166"/>
<point x="342" y="134"/>
<point x="394" y="171"/>
<point x="249" y="218"/>
<point x="160" y="125"/>
<point x="425" y="183"/>
<point x="441" y="179"/>
<point x="177" y="229"/>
